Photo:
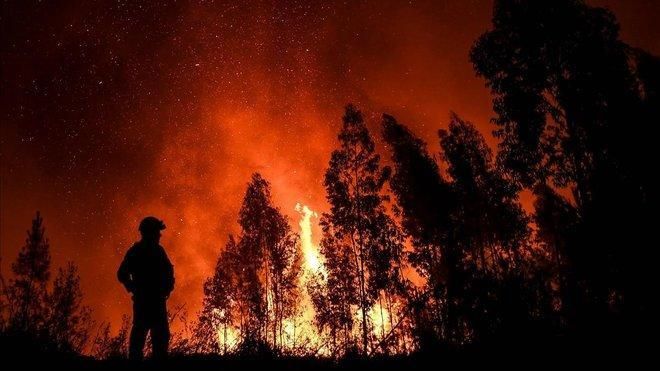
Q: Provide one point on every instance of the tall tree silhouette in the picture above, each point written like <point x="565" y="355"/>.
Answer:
<point x="467" y="233"/>
<point x="357" y="220"/>
<point x="386" y="281"/>
<point x="489" y="227"/>
<point x="561" y="81"/>
<point x="39" y="319"/>
<point x="254" y="284"/>
<point x="255" y="221"/>
<point x="426" y="203"/>
<point x="27" y="290"/>
<point x="220" y="304"/>
<point x="284" y="262"/>
<point x="490" y="220"/>
<point x="557" y="223"/>
<point x="333" y="295"/>
<point x="567" y="101"/>
<point x="267" y="236"/>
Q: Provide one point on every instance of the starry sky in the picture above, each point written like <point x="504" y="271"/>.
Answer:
<point x="114" y="110"/>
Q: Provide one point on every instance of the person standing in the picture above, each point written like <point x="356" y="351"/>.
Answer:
<point x="147" y="273"/>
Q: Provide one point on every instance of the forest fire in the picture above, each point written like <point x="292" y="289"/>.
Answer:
<point x="314" y="185"/>
<point x="298" y="332"/>
<point x="227" y="336"/>
<point x="378" y="315"/>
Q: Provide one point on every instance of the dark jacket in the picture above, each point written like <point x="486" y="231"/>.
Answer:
<point x="146" y="271"/>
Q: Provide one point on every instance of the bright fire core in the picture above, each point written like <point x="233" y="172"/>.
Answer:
<point x="300" y="331"/>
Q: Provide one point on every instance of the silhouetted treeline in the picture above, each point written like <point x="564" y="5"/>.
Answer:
<point x="435" y="251"/>
<point x="45" y="319"/>
<point x="38" y="317"/>
<point x="573" y="110"/>
<point x="361" y="244"/>
<point x="255" y="285"/>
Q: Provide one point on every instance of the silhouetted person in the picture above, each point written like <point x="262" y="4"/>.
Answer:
<point x="147" y="273"/>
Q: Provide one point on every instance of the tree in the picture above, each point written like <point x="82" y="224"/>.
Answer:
<point x="285" y="260"/>
<point x="219" y="308"/>
<point x="489" y="228"/>
<point x="569" y="112"/>
<point x="490" y="221"/>
<point x="386" y="281"/>
<point x="557" y="223"/>
<point x="40" y="319"/>
<point x="272" y="247"/>
<point x="27" y="290"/>
<point x="68" y="320"/>
<point x="106" y="346"/>
<point x="254" y="285"/>
<point x="357" y="218"/>
<point x="426" y="204"/>
<point x="468" y="233"/>
<point x="561" y="82"/>
<point x="334" y="292"/>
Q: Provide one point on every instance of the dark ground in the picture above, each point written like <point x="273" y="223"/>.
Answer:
<point x="559" y="356"/>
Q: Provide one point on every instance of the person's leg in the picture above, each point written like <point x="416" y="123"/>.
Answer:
<point x="160" y="332"/>
<point x="138" y="333"/>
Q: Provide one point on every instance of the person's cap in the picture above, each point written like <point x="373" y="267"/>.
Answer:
<point x="151" y="224"/>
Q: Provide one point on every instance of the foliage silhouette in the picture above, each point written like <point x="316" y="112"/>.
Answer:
<point x="361" y="243"/>
<point x="254" y="285"/>
<point x="573" y="110"/>
<point x="569" y="113"/>
<point x="38" y="320"/>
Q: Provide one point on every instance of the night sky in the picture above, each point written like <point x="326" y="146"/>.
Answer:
<point x="114" y="110"/>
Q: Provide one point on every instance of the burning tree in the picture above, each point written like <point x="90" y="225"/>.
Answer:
<point x="219" y="308"/>
<point x="360" y="241"/>
<point x="254" y="285"/>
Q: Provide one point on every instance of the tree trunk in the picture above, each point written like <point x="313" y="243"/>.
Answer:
<point x="225" y="340"/>
<point x="388" y="299"/>
<point x="382" y="318"/>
